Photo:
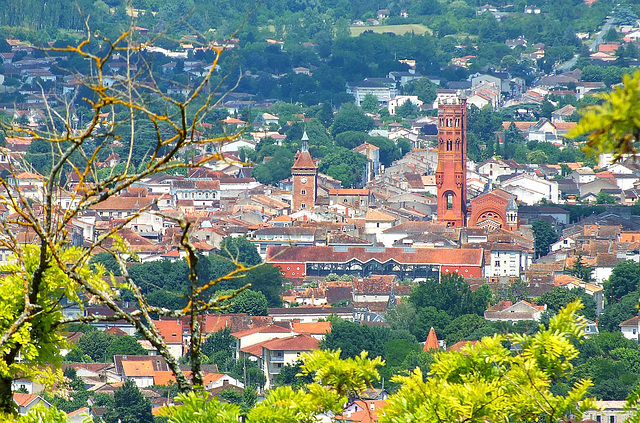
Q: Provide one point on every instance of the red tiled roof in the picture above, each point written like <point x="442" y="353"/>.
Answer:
<point x="631" y="322"/>
<point x="322" y="254"/>
<point x="170" y="330"/>
<point x="312" y="327"/>
<point x="301" y="342"/>
<point x="303" y="160"/>
<point x="262" y="329"/>
<point x="24" y="399"/>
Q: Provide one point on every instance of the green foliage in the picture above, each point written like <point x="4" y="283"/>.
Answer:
<point x="544" y="235"/>
<point x="198" y="407"/>
<point x="486" y="382"/>
<point x="240" y="249"/>
<point x="452" y="294"/>
<point x="248" y="301"/>
<point x="611" y="126"/>
<point x="370" y="103"/>
<point x="559" y="297"/>
<point x="344" y="165"/>
<point x="350" y="118"/>
<point x="129" y="405"/>
<point x="624" y="279"/>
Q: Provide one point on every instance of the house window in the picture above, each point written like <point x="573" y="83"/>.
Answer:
<point x="612" y="419"/>
<point x="303" y="205"/>
<point x="303" y="192"/>
<point x="378" y="224"/>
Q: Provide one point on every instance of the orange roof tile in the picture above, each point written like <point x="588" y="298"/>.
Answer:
<point x="312" y="327"/>
<point x="170" y="330"/>
<point x="137" y="368"/>
<point x="261" y="329"/>
<point x="24" y="399"/>
<point x="303" y="160"/>
<point x="301" y="342"/>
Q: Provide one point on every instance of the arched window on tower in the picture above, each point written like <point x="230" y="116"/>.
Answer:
<point x="449" y="201"/>
<point x="449" y="145"/>
<point x="457" y="145"/>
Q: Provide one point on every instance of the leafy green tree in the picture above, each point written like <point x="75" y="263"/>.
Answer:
<point x="96" y="344"/>
<point x="325" y="115"/>
<point x="351" y="118"/>
<point x="345" y="166"/>
<point x="617" y="311"/>
<point x="430" y="317"/>
<point x="624" y="279"/>
<point x="544" y="235"/>
<point x="605" y="198"/>
<point x="559" y="297"/>
<point x="123" y="345"/>
<point x="129" y="405"/>
<point x="462" y="327"/>
<point x="423" y="88"/>
<point x="351" y="139"/>
<point x="401" y="317"/>
<point x="389" y="151"/>
<point x="452" y="295"/>
<point x="370" y="103"/>
<point x="240" y="248"/>
<point x="268" y="280"/>
<point x="407" y="110"/>
<point x="404" y="145"/>
<point x="277" y="168"/>
<point x="253" y="303"/>
<point x="290" y="375"/>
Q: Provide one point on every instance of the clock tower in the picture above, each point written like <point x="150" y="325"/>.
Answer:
<point x="451" y="173"/>
<point x="305" y="178"/>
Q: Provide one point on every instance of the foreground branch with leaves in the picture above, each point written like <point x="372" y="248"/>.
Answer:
<point x="487" y="381"/>
<point x="48" y="267"/>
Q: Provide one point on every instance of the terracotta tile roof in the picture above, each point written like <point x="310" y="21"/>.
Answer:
<point x="322" y="254"/>
<point x="137" y="368"/>
<point x="263" y="329"/>
<point x="312" y="327"/>
<point x="166" y="378"/>
<point x="170" y="330"/>
<point x="303" y="160"/>
<point x="523" y="126"/>
<point x="255" y="349"/>
<point x="460" y="345"/>
<point x="432" y="341"/>
<point x="24" y="399"/>
<point x="301" y="342"/>
<point x="122" y="203"/>
<point x="378" y="215"/>
<point x="631" y="322"/>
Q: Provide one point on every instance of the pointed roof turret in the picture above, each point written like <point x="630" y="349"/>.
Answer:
<point x="432" y="341"/>
<point x="303" y="159"/>
<point x="391" y="302"/>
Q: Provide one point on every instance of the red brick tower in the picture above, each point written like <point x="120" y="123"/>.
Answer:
<point x="305" y="179"/>
<point x="451" y="174"/>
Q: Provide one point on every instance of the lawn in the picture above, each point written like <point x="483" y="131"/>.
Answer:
<point x="396" y="29"/>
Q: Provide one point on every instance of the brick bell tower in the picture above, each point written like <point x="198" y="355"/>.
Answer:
<point x="305" y="178"/>
<point x="451" y="174"/>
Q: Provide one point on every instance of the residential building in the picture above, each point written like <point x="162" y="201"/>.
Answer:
<point x="285" y="351"/>
<point x="382" y="88"/>
<point x="506" y="311"/>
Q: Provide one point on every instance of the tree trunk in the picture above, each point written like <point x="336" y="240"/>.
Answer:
<point x="6" y="396"/>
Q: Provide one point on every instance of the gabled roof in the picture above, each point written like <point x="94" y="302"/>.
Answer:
<point x="137" y="368"/>
<point x="24" y="400"/>
<point x="300" y="342"/>
<point x="262" y="329"/>
<point x="312" y="327"/>
<point x="631" y="322"/>
<point x="170" y="330"/>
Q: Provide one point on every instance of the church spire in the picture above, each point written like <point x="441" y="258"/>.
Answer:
<point x="305" y="142"/>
